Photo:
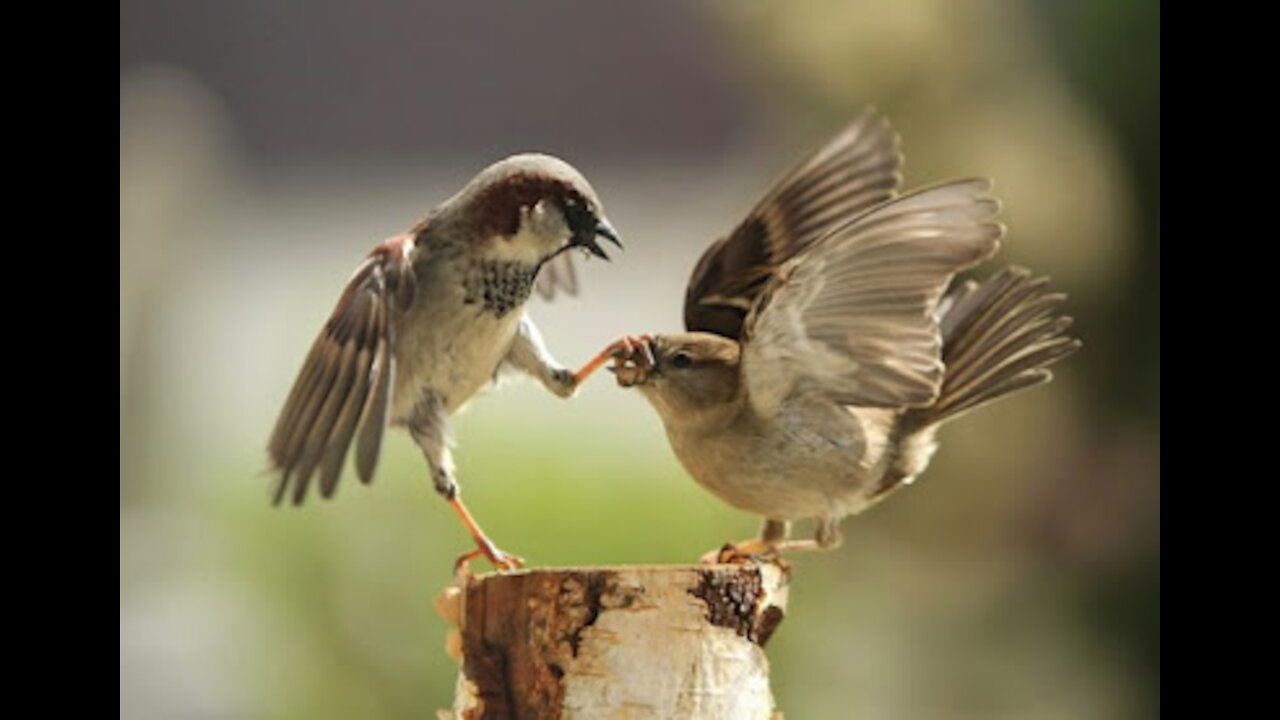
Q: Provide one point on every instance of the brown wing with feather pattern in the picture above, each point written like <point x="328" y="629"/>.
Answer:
<point x="342" y="391"/>
<point x="853" y="316"/>
<point x="854" y="171"/>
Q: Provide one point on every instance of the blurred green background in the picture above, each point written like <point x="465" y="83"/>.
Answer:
<point x="264" y="147"/>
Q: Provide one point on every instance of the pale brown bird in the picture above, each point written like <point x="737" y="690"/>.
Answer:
<point x="821" y="356"/>
<point x="430" y="318"/>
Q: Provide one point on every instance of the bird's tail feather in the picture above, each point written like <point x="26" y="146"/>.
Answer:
<point x="997" y="338"/>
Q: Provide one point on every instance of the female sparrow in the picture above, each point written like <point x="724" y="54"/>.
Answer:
<point x="821" y="356"/>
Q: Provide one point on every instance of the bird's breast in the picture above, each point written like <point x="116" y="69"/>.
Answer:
<point x="458" y="330"/>
<point x="498" y="286"/>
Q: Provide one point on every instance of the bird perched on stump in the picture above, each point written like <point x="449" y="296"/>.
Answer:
<point x="821" y="355"/>
<point x="429" y="319"/>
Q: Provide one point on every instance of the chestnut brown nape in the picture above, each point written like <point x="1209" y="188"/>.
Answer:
<point x="497" y="193"/>
<point x="497" y="206"/>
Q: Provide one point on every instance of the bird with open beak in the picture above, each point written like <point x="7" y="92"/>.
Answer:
<point x="431" y="317"/>
<point x="821" y="355"/>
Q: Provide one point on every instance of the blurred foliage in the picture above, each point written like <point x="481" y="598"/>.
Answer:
<point x="1111" y="53"/>
<point x="1019" y="578"/>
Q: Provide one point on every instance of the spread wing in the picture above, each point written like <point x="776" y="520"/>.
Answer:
<point x="558" y="273"/>
<point x="856" y="170"/>
<point x="342" y="391"/>
<point x="853" y="317"/>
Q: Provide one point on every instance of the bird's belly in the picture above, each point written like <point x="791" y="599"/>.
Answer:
<point x="450" y="348"/>
<point x="782" y="473"/>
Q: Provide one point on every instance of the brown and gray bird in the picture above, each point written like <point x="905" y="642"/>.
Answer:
<point x="821" y="355"/>
<point x="430" y="318"/>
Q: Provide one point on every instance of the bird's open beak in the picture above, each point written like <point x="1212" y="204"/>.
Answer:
<point x="603" y="229"/>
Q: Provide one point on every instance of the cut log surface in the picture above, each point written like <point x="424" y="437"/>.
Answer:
<point x="683" y="641"/>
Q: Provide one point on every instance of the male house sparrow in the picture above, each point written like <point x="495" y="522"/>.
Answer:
<point x="821" y="356"/>
<point x="430" y="318"/>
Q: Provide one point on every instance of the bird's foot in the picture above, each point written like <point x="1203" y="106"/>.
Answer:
<point x="633" y="359"/>
<point x="756" y="550"/>
<point x="739" y="552"/>
<point x="502" y="560"/>
<point x="631" y="347"/>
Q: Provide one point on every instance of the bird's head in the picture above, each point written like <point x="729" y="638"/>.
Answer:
<point x="689" y="378"/>
<point x="532" y="207"/>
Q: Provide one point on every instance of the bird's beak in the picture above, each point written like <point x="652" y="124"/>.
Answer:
<point x="602" y="229"/>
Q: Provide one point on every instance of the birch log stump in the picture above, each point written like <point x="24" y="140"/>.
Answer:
<point x="680" y="641"/>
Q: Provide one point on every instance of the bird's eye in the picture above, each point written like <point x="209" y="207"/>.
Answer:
<point x="681" y="360"/>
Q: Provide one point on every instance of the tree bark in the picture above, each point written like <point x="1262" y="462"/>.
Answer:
<point x="683" y="641"/>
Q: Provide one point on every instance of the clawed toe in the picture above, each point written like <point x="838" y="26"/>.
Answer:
<point x="740" y="553"/>
<point x="502" y="561"/>
<point x="718" y="556"/>
<point x="507" y="562"/>
<point x="634" y="348"/>
<point x="633" y="359"/>
<point x="631" y="348"/>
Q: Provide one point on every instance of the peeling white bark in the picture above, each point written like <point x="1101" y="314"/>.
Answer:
<point x="626" y="642"/>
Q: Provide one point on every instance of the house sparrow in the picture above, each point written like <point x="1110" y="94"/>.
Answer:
<point x="429" y="319"/>
<point x="821" y="355"/>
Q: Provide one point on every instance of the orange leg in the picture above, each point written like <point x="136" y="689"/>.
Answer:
<point x="626" y="347"/>
<point x="484" y="546"/>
